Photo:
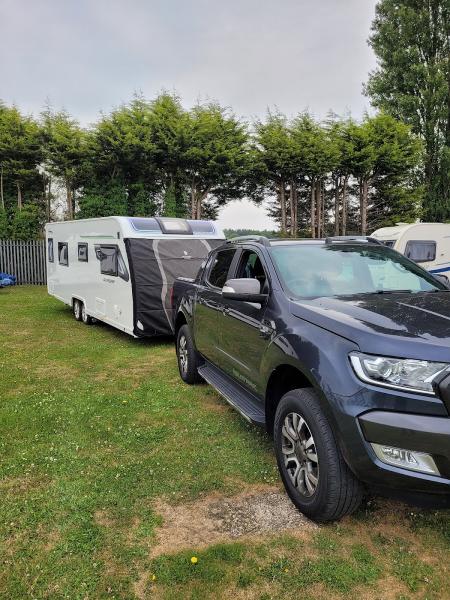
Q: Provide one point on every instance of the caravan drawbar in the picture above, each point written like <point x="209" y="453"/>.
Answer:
<point x="120" y="270"/>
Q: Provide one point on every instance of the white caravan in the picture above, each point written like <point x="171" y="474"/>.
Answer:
<point x="120" y="270"/>
<point x="425" y="243"/>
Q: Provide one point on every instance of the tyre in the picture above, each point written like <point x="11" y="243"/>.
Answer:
<point x="187" y="356"/>
<point x="310" y="462"/>
<point x="87" y="320"/>
<point x="77" y="310"/>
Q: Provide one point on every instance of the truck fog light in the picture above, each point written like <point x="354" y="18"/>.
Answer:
<point x="407" y="459"/>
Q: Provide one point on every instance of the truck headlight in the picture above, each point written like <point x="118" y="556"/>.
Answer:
<point x="399" y="373"/>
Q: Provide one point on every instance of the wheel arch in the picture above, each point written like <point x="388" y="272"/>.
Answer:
<point x="284" y="378"/>
<point x="180" y="320"/>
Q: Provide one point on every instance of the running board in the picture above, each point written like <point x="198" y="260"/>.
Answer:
<point x="241" y="399"/>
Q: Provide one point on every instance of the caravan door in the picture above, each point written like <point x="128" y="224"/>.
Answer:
<point x="113" y="292"/>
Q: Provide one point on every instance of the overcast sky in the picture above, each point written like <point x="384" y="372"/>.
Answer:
<point x="91" y="55"/>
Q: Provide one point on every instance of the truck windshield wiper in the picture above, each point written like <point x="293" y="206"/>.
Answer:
<point x="394" y="292"/>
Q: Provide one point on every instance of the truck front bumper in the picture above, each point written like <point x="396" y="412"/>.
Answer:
<point x="413" y="433"/>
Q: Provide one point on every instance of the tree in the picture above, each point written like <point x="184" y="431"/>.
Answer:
<point x="317" y="156"/>
<point x="65" y="149"/>
<point x="397" y="193"/>
<point x="168" y="136"/>
<point x="215" y="159"/>
<point x="20" y="154"/>
<point x="272" y="161"/>
<point x="4" y="225"/>
<point x="120" y="162"/>
<point x="26" y="222"/>
<point x="411" y="39"/>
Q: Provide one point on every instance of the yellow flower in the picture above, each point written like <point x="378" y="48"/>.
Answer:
<point x="194" y="560"/>
<point x="153" y="577"/>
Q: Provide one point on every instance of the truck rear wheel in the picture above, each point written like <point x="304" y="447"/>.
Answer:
<point x="187" y="356"/>
<point x="310" y="462"/>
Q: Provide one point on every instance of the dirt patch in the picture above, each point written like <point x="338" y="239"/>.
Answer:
<point x="53" y="539"/>
<point x="218" y="519"/>
<point x="65" y="372"/>
<point x="103" y="519"/>
<point x="16" y="486"/>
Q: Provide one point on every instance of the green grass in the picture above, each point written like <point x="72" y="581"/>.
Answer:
<point x="96" y="425"/>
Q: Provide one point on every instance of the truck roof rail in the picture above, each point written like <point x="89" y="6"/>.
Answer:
<point x="364" y="239"/>
<point x="261" y="239"/>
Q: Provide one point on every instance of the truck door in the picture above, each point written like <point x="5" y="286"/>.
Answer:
<point x="244" y="334"/>
<point x="209" y="304"/>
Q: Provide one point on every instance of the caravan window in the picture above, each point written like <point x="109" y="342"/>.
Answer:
<point x="420" y="251"/>
<point x="122" y="270"/>
<point x="107" y="255"/>
<point x="83" y="252"/>
<point x="50" y="256"/>
<point x="63" y="253"/>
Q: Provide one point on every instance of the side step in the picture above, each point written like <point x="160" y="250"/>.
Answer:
<point x="241" y="399"/>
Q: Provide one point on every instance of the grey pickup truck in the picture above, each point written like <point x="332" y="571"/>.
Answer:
<point x="341" y="349"/>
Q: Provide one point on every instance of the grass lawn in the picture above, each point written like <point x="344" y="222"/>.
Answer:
<point x="96" y="427"/>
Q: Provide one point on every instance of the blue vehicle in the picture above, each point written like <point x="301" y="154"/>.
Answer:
<point x="340" y="348"/>
<point x="6" y="279"/>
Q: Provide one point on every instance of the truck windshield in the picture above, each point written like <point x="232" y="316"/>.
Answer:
<point x="310" y="271"/>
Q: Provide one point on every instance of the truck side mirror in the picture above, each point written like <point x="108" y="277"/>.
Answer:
<point x="244" y="289"/>
<point x="442" y="278"/>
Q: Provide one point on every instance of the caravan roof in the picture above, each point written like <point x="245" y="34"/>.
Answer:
<point x="152" y="227"/>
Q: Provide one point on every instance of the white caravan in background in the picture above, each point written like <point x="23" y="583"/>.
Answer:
<point x="120" y="270"/>
<point x="425" y="243"/>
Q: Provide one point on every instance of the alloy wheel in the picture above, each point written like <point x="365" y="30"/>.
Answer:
<point x="183" y="354"/>
<point x="300" y="454"/>
<point x="76" y="310"/>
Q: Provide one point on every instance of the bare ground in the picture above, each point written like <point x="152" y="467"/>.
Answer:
<point x="213" y="519"/>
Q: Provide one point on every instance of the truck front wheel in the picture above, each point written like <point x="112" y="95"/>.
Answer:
<point x="311" y="465"/>
<point x="187" y="356"/>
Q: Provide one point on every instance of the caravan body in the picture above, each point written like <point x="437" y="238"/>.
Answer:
<point x="425" y="243"/>
<point x="120" y="270"/>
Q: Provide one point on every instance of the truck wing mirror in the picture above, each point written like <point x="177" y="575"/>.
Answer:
<point x="245" y="289"/>
<point x="442" y="278"/>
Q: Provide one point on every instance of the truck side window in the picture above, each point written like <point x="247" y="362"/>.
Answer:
<point x="219" y="268"/>
<point x="420" y="251"/>
<point x="107" y="255"/>
<point x="63" y="253"/>
<point x="83" y="252"/>
<point x="50" y="255"/>
<point x="251" y="267"/>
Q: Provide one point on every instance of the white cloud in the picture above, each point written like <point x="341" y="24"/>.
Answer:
<point x="243" y="214"/>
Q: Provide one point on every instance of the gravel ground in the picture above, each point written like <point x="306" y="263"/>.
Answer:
<point x="216" y="519"/>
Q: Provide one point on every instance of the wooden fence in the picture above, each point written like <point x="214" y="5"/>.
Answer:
<point x="25" y="260"/>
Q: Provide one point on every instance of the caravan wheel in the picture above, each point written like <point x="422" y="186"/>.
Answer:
<point x="87" y="320"/>
<point x="77" y="310"/>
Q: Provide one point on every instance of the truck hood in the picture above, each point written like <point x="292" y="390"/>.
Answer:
<point x="402" y="324"/>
